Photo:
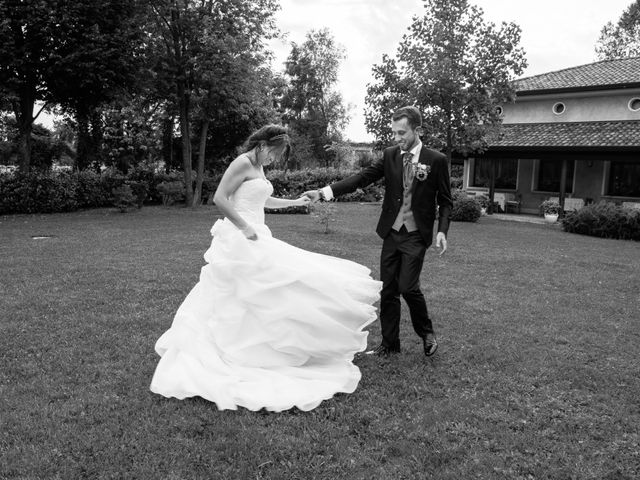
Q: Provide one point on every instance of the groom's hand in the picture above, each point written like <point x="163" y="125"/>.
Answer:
<point x="313" y="195"/>
<point x="441" y="242"/>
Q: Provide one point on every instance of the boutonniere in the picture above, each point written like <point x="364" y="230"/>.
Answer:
<point x="421" y="171"/>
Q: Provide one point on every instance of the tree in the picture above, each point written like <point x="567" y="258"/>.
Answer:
<point x="73" y="53"/>
<point x="26" y="33"/>
<point x="210" y="53"/>
<point x="456" y="68"/>
<point x="621" y="40"/>
<point x="98" y="60"/>
<point x="312" y="105"/>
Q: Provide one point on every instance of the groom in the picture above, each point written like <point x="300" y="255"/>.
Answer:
<point x="416" y="178"/>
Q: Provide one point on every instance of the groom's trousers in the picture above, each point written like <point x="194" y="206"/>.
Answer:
<point x="400" y="266"/>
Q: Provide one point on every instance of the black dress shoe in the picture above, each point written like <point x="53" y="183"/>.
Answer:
<point x="382" y="351"/>
<point x="430" y="344"/>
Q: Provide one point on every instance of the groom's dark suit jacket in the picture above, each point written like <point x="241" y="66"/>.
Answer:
<point x="436" y="189"/>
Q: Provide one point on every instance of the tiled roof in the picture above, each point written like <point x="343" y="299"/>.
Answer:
<point x="577" y="135"/>
<point x="605" y="73"/>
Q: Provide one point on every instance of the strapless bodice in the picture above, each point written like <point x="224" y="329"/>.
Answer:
<point x="250" y="197"/>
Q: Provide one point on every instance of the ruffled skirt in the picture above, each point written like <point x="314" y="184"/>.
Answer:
<point x="267" y="326"/>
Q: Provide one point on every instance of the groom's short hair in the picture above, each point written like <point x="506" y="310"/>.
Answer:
<point x="412" y="114"/>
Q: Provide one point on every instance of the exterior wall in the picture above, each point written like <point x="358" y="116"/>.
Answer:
<point x="588" y="183"/>
<point x="590" y="174"/>
<point x="579" y="107"/>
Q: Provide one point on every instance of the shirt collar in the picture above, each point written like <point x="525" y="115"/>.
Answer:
<point x="414" y="152"/>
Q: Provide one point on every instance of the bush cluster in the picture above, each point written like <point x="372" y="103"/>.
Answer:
<point x="49" y="192"/>
<point x="605" y="220"/>
<point x="465" y="208"/>
<point x="38" y="193"/>
<point x="45" y="192"/>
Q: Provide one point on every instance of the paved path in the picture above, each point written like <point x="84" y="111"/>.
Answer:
<point x="512" y="217"/>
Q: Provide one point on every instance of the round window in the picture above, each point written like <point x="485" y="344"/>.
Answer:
<point x="559" y="108"/>
<point x="634" y="104"/>
<point x="499" y="110"/>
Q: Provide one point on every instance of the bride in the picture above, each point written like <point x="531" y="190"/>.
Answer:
<point x="268" y="325"/>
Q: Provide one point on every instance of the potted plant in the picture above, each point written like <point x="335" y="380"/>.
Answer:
<point x="550" y="209"/>
<point x="483" y="200"/>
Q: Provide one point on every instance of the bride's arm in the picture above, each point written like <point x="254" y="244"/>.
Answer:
<point x="233" y="177"/>
<point x="273" y="202"/>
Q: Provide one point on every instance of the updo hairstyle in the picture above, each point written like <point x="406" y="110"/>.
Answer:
<point x="271" y="135"/>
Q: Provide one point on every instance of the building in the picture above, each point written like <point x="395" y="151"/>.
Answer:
<point x="581" y="124"/>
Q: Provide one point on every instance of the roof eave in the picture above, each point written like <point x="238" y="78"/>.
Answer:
<point x="594" y="88"/>
<point x="537" y="152"/>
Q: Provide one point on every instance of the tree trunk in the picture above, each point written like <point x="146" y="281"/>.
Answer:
<point x="167" y="143"/>
<point x="83" y="147"/>
<point x="197" y="194"/>
<point x="492" y="186"/>
<point x="97" y="139"/>
<point x="24" y="148"/>
<point x="563" y="186"/>
<point x="449" y="146"/>
<point x="24" y="118"/>
<point x="185" y="131"/>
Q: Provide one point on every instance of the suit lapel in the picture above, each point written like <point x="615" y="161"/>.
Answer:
<point x="396" y="166"/>
<point x="425" y="159"/>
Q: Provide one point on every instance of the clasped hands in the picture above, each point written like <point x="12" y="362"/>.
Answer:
<point x="312" y="195"/>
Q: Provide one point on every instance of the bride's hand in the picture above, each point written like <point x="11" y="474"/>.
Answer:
<point x="302" y="201"/>
<point x="249" y="232"/>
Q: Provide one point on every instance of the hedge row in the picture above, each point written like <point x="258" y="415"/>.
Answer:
<point x="605" y="220"/>
<point x="49" y="192"/>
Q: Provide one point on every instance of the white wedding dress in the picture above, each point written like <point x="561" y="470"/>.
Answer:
<point x="268" y="325"/>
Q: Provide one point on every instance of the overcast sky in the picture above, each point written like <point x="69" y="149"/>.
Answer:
<point x="556" y="34"/>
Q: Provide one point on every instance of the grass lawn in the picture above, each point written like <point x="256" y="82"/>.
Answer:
<point x="537" y="375"/>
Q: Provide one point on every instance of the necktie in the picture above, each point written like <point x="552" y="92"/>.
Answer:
<point x="407" y="171"/>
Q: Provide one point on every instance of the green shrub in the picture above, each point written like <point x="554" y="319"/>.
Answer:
<point x="172" y="192"/>
<point x="123" y="198"/>
<point x="38" y="192"/>
<point x="550" y="207"/>
<point x="324" y="213"/>
<point x="140" y="190"/>
<point x="465" y="208"/>
<point x="153" y="178"/>
<point x="91" y="191"/>
<point x="456" y="182"/>
<point x="483" y="200"/>
<point x="605" y="220"/>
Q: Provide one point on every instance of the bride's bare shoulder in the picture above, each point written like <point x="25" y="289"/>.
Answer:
<point x="241" y="165"/>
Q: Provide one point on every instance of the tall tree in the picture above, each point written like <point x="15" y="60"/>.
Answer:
<point x="456" y="68"/>
<point x="621" y="40"/>
<point x="312" y="105"/>
<point x="27" y="32"/>
<point x="208" y="51"/>
<point x="59" y="52"/>
<point x="98" y="60"/>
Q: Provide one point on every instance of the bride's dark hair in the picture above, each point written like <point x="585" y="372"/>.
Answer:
<point x="272" y="136"/>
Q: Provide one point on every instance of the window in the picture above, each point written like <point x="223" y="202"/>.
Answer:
<point x="559" y="108"/>
<point x="549" y="172"/>
<point x="624" y="179"/>
<point x="506" y="173"/>
<point x="634" y="104"/>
